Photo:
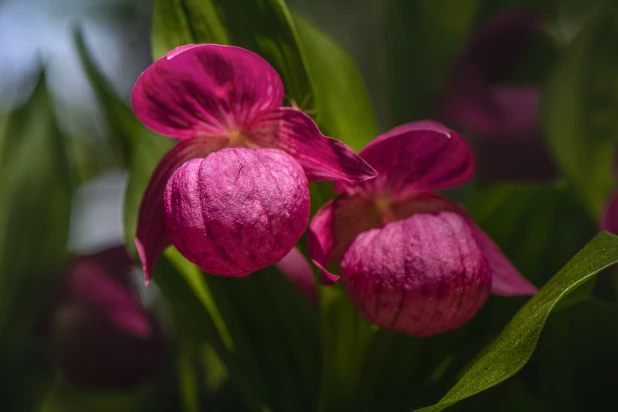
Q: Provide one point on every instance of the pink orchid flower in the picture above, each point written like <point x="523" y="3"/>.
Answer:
<point x="502" y="120"/>
<point x="412" y="261"/>
<point x="237" y="210"/>
<point x="97" y="331"/>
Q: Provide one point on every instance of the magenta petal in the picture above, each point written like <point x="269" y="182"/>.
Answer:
<point x="417" y="158"/>
<point x="151" y="238"/>
<point x="320" y="240"/>
<point x="237" y="210"/>
<point x="609" y="221"/>
<point x="205" y="89"/>
<point x="420" y="276"/>
<point x="297" y="270"/>
<point x="323" y="158"/>
<point x="335" y="226"/>
<point x="506" y="280"/>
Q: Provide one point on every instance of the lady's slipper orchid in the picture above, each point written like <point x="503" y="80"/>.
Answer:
<point x="97" y="332"/>
<point x="411" y="260"/>
<point x="211" y="97"/>
<point x="502" y="120"/>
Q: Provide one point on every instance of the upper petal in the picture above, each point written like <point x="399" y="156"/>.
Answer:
<point x="416" y="158"/>
<point x="151" y="237"/>
<point x="205" y="89"/>
<point x="323" y="158"/>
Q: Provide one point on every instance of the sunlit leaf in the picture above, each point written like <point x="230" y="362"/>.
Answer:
<point x="506" y="355"/>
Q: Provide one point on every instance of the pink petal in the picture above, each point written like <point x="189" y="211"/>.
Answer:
<point x="205" y="89"/>
<point x="237" y="210"/>
<point x="151" y="238"/>
<point x="416" y="158"/>
<point x="506" y="280"/>
<point x="420" y="276"/>
<point x="297" y="270"/>
<point x="335" y="226"/>
<point x="323" y="158"/>
<point x="116" y="302"/>
<point x="609" y="220"/>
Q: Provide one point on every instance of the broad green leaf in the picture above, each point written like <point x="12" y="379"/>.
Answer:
<point x="341" y="99"/>
<point x="35" y="202"/>
<point x="64" y="398"/>
<point x="424" y="40"/>
<point x="345" y="339"/>
<point x="508" y="353"/>
<point x="580" y="104"/>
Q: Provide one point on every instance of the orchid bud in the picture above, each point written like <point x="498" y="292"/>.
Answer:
<point x="237" y="210"/>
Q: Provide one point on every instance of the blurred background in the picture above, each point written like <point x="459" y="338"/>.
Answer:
<point x="533" y="86"/>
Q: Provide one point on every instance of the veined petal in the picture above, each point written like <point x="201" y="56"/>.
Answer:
<point x="609" y="221"/>
<point x="205" y="89"/>
<point x="297" y="270"/>
<point x="323" y="158"/>
<point x="237" y="210"/>
<point x="335" y="226"/>
<point x="506" y="280"/>
<point x="151" y="237"/>
<point x="416" y="158"/>
<point x="421" y="276"/>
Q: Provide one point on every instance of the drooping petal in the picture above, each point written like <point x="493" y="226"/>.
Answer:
<point x="323" y="158"/>
<point x="333" y="228"/>
<point x="416" y="158"/>
<point x="151" y="237"/>
<point x="506" y="280"/>
<point x="609" y="221"/>
<point x="205" y="89"/>
<point x="420" y="276"/>
<point x="297" y="270"/>
<point x="237" y="210"/>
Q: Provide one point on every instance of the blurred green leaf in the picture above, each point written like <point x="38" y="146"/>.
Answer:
<point x="35" y="203"/>
<point x="341" y="99"/>
<point x="345" y="339"/>
<point x="64" y="398"/>
<point x="506" y="355"/>
<point x="580" y="106"/>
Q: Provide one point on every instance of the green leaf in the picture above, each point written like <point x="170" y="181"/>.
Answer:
<point x="35" y="203"/>
<point x="341" y="99"/>
<point x="506" y="355"/>
<point x="345" y="339"/>
<point x="579" y="109"/>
